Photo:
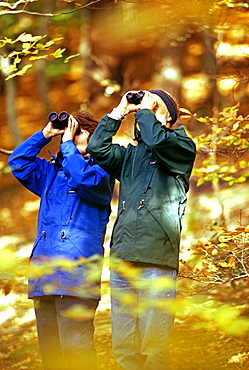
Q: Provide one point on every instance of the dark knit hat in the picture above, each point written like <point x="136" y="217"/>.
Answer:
<point x="170" y="103"/>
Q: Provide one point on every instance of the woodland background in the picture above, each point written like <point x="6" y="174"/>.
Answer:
<point x="69" y="55"/>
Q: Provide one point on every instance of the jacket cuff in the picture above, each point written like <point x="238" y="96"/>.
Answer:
<point x="144" y="112"/>
<point x="40" y="139"/>
<point x="111" y="124"/>
<point x="68" y="146"/>
<point x="115" y="114"/>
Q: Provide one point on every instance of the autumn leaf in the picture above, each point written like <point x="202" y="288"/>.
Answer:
<point x="224" y="238"/>
<point x="77" y="312"/>
<point x="240" y="358"/>
<point x="20" y="72"/>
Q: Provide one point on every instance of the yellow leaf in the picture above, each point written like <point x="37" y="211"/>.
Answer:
<point x="162" y="283"/>
<point x="223" y="264"/>
<point x="218" y="228"/>
<point x="77" y="312"/>
<point x="184" y="114"/>
<point x="224" y="238"/>
<point x="232" y="261"/>
<point x="215" y="252"/>
<point x="212" y="145"/>
<point x="242" y="179"/>
<point x="222" y="245"/>
<point x="239" y="358"/>
<point x="235" y="126"/>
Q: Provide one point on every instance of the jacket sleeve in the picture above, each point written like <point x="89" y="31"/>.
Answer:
<point x="108" y="155"/>
<point x="173" y="149"/>
<point x="87" y="179"/>
<point x="30" y="170"/>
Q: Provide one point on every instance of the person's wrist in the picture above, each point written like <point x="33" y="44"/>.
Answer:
<point x="117" y="113"/>
<point x="146" y="107"/>
<point x="46" y="133"/>
<point x="67" y="138"/>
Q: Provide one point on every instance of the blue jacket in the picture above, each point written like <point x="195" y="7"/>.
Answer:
<point x="74" y="210"/>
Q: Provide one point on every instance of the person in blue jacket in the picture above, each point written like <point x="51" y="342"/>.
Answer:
<point x="65" y="263"/>
<point x="154" y="176"/>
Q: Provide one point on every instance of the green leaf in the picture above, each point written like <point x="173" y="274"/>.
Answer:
<point x="58" y="53"/>
<point x="5" y="41"/>
<point x="215" y="180"/>
<point x="26" y="45"/>
<point x="9" y="69"/>
<point x="40" y="46"/>
<point x="20" y="72"/>
<point x="200" y="182"/>
<point x="52" y="42"/>
<point x="203" y="120"/>
<point x="70" y="57"/>
<point x="38" y="57"/>
<point x="28" y="37"/>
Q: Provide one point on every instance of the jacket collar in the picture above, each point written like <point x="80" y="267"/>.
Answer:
<point x="59" y="159"/>
<point x="137" y="133"/>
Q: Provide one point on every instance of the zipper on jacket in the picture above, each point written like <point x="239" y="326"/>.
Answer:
<point x="123" y="205"/>
<point x="141" y="204"/>
<point x="63" y="236"/>
<point x="133" y="162"/>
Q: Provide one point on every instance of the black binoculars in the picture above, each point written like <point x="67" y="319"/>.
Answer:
<point x="59" y="121"/>
<point x="135" y="98"/>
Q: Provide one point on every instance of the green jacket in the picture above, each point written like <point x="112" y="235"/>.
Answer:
<point x="154" y="179"/>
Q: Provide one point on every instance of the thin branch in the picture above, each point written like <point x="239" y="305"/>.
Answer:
<point x="15" y="5"/>
<point x="4" y="151"/>
<point x="47" y="14"/>
<point x="216" y="279"/>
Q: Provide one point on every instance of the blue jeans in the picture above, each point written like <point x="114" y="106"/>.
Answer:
<point x="141" y="323"/>
<point x="65" y="332"/>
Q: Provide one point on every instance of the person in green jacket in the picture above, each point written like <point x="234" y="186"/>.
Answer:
<point x="154" y="179"/>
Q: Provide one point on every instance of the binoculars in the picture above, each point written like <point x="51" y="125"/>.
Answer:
<point x="59" y="121"/>
<point x="135" y="98"/>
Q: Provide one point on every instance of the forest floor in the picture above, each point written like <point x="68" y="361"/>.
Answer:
<point x="191" y="349"/>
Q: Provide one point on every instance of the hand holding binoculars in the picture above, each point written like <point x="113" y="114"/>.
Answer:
<point x="60" y="121"/>
<point x="135" y="98"/>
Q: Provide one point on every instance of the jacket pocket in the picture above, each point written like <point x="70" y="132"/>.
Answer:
<point x="149" y="175"/>
<point x="82" y="247"/>
<point x="67" y="209"/>
<point x="166" y="224"/>
<point x="117" y="232"/>
<point x="150" y="228"/>
<point x="181" y="211"/>
<point x="38" y="247"/>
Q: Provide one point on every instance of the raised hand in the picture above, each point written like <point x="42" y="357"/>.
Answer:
<point x="70" y="130"/>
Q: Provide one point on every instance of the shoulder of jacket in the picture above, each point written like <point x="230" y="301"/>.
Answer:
<point x="180" y="131"/>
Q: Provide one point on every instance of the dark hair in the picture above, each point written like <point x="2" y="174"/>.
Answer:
<point x="86" y="121"/>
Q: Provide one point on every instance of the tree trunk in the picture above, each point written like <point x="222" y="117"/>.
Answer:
<point x="10" y="88"/>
